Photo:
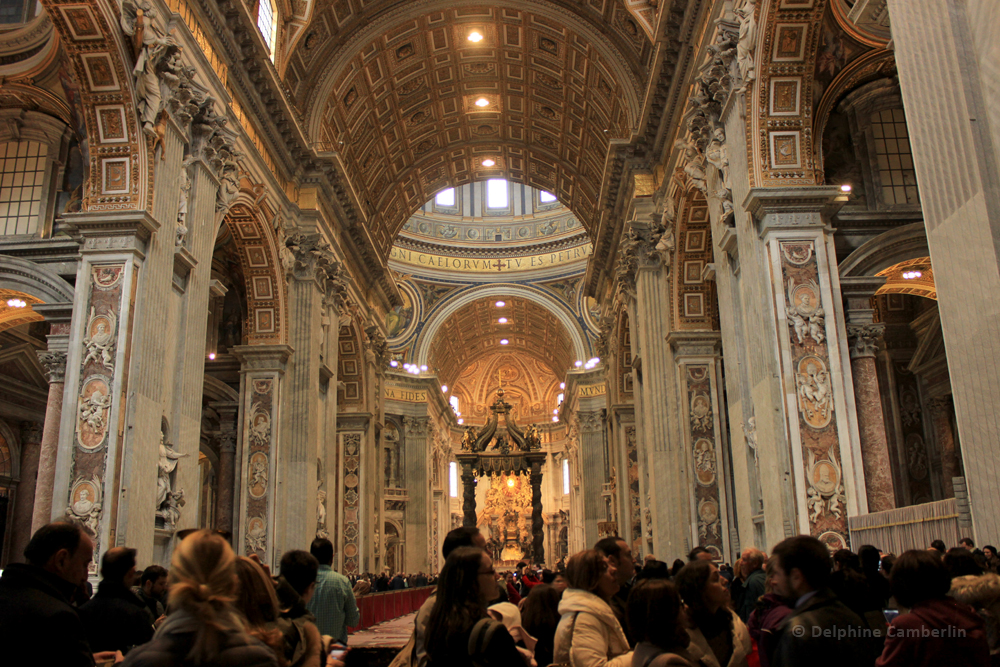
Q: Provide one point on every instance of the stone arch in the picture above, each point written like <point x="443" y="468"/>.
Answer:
<point x="22" y="275"/>
<point x="888" y="249"/>
<point x="119" y="175"/>
<point x="350" y="367"/>
<point x="260" y="258"/>
<point x="422" y="344"/>
<point x="791" y="40"/>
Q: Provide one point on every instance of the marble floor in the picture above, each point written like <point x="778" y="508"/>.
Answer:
<point x="391" y="634"/>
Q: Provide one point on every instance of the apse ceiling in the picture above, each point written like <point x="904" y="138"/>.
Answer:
<point x="409" y="105"/>
<point x="476" y="331"/>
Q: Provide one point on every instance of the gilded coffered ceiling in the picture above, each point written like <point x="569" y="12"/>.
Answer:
<point x="389" y="89"/>
<point x="475" y="331"/>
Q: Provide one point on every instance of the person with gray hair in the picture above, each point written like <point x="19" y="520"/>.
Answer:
<point x="754" y="577"/>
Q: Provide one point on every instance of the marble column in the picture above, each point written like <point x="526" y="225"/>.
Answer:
<point x="863" y="339"/>
<point x="54" y="364"/>
<point x="228" y="413"/>
<point x="537" y="523"/>
<point x="944" y="437"/>
<point x="417" y="486"/>
<point x="31" y="436"/>
<point x="699" y="370"/>
<point x="468" y="495"/>
<point x="818" y="409"/>
<point x="659" y="441"/>
<point x="262" y="375"/>
<point x="946" y="54"/>
<point x="591" y="459"/>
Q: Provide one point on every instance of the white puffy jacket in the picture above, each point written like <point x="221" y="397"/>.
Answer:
<point x="589" y="634"/>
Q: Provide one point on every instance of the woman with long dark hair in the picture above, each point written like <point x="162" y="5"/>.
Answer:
<point x="713" y="626"/>
<point x="258" y="603"/>
<point x="657" y="619"/>
<point x="459" y="632"/>
<point x="540" y="618"/>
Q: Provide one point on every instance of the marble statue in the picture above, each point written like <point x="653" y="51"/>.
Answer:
<point x="100" y="342"/>
<point x="85" y="511"/>
<point x="92" y="410"/>
<point x="166" y="466"/>
<point x="151" y="47"/>
<point x="747" y="40"/>
<point x="171" y="510"/>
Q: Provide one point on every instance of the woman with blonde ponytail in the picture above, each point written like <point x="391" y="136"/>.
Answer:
<point x="203" y="628"/>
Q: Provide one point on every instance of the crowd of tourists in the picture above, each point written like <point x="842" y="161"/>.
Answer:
<point x="798" y="605"/>
<point x="211" y="607"/>
<point x="366" y="583"/>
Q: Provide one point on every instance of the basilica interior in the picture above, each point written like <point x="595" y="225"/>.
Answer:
<point x="687" y="272"/>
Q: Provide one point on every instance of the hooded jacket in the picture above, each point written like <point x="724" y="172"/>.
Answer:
<point x="589" y="635"/>
<point x="173" y="641"/>
<point x="940" y="631"/>
<point x="983" y="594"/>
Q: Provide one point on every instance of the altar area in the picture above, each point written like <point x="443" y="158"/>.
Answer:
<point x="510" y="459"/>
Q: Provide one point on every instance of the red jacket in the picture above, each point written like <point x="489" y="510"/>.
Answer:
<point x="931" y="636"/>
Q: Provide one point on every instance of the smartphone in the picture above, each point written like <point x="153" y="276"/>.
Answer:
<point x="338" y="651"/>
<point x="890" y="614"/>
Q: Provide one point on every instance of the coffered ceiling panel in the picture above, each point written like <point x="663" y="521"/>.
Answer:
<point x="475" y="331"/>
<point x="397" y="102"/>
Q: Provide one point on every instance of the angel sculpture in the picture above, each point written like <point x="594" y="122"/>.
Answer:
<point x="815" y="504"/>
<point x="151" y="47"/>
<point x="469" y="439"/>
<point x="100" y="343"/>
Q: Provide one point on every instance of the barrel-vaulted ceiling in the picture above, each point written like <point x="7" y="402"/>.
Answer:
<point x="390" y="88"/>
<point x="475" y="331"/>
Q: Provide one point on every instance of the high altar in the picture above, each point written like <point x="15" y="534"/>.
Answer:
<point x="512" y="459"/>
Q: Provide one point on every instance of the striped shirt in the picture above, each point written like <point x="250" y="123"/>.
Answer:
<point x="333" y="604"/>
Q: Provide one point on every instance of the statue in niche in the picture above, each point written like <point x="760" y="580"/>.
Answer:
<point x="100" y="339"/>
<point x="166" y="467"/>
<point x="321" y="531"/>
<point x="747" y="40"/>
<point x="182" y="208"/>
<point x="531" y="437"/>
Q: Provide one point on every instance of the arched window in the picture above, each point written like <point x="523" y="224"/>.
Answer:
<point x="266" y="24"/>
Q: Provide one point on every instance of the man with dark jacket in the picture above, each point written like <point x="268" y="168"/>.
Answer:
<point x="151" y="589"/>
<point x="38" y="626"/>
<point x="821" y="631"/>
<point x="619" y="554"/>
<point x="752" y="573"/>
<point x="115" y="619"/>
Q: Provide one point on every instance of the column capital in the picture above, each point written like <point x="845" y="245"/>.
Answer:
<point x="415" y="426"/>
<point x="864" y="339"/>
<point x="591" y="421"/>
<point x="940" y="405"/>
<point x="54" y="363"/>
<point x="227" y="442"/>
<point x="794" y="208"/>
<point x="310" y="258"/>
<point x="262" y="357"/>
<point x="695" y="343"/>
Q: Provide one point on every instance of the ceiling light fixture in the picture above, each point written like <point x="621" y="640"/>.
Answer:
<point x="394" y="363"/>
<point x="475" y="36"/>
<point x="504" y="341"/>
<point x="488" y="162"/>
<point x="555" y="419"/>
<point x="578" y="363"/>
<point x="502" y="320"/>
<point x="501" y="304"/>
<point x="555" y="411"/>
<point x="461" y="421"/>
<point x="910" y="275"/>
<point x="482" y="102"/>
<point x="562" y="385"/>
<point x="444" y="388"/>
<point x="423" y="368"/>
<point x="211" y="355"/>
<point x="845" y="188"/>
<point x="16" y="303"/>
